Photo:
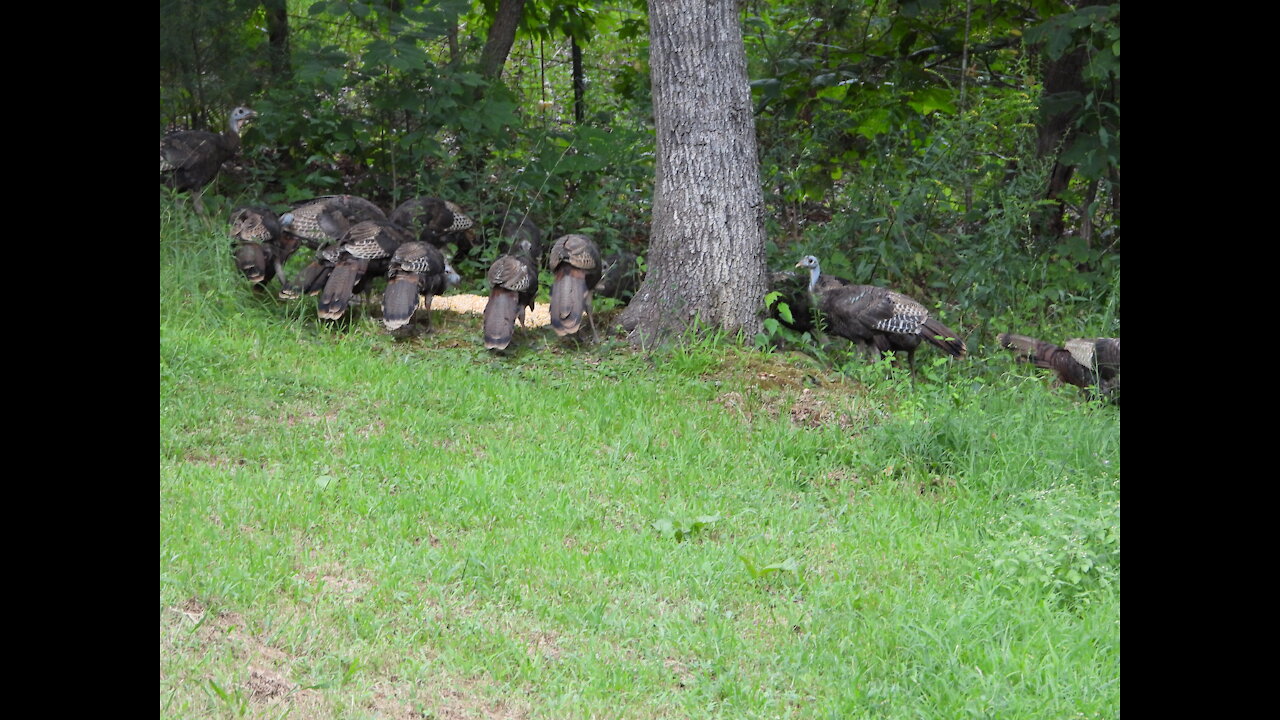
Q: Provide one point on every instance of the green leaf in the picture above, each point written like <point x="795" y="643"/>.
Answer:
<point x="769" y="87"/>
<point x="874" y="123"/>
<point x="785" y="311"/>
<point x="931" y="100"/>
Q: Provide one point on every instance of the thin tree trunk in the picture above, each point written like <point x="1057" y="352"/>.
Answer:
<point x="706" y="262"/>
<point x="1065" y="75"/>
<point x="278" y="40"/>
<point x="579" y="83"/>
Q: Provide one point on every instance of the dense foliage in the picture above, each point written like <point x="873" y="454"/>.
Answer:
<point x="966" y="153"/>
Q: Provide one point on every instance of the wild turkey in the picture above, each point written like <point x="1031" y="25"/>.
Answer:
<point x="877" y="318"/>
<point x="575" y="268"/>
<point x="513" y="283"/>
<point x="311" y="280"/>
<point x="524" y="228"/>
<point x="325" y="219"/>
<point x="621" y="277"/>
<point x="365" y="250"/>
<point x="793" y="290"/>
<point x="260" y="247"/>
<point x="435" y="221"/>
<point x="416" y="270"/>
<point x="1085" y="363"/>
<point x="191" y="159"/>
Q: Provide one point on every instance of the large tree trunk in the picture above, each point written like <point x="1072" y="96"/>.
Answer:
<point x="706" y="259"/>
<point x="502" y="34"/>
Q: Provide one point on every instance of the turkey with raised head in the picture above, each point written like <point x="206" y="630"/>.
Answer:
<point x="877" y="318"/>
<point x="513" y="284"/>
<point x="576" y="267"/>
<point x="324" y="220"/>
<point x="260" y="247"/>
<point x="191" y="159"/>
<point x="793" y="290"/>
<point x="416" y="273"/>
<point x="1084" y="362"/>
<point x="363" y="252"/>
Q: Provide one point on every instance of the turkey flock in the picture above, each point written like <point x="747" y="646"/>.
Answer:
<point x="354" y="242"/>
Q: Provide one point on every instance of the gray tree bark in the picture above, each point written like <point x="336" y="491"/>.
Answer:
<point x="706" y="261"/>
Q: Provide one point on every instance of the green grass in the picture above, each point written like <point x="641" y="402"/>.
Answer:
<point x="359" y="526"/>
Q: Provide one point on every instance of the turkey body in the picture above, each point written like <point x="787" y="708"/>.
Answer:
<point x="522" y="229"/>
<point x="259" y="247"/>
<point x="191" y="159"/>
<point x="324" y="220"/>
<point x="576" y="268"/>
<point x="621" y="277"/>
<point x="513" y="284"/>
<point x="416" y="273"/>
<point x="363" y="252"/>
<point x="793" y="289"/>
<point x="1084" y="362"/>
<point x="436" y="221"/>
<point x="876" y="318"/>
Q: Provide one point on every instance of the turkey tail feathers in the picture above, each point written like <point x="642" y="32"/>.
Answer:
<point x="943" y="337"/>
<point x="500" y="318"/>
<point x="399" y="301"/>
<point x="567" y="301"/>
<point x="338" y="289"/>
<point x="1029" y="349"/>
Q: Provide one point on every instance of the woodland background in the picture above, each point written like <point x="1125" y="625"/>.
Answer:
<point x="966" y="152"/>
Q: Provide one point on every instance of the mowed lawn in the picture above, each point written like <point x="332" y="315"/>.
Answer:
<point x="358" y="526"/>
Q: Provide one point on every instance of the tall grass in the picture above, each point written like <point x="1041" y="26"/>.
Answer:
<point x="358" y="526"/>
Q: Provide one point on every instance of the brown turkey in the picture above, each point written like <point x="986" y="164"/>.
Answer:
<point x="416" y="273"/>
<point x="364" y="251"/>
<point x="1084" y="362"/>
<point x="876" y="318"/>
<point x="793" y="290"/>
<point x="191" y="159"/>
<point x="325" y="219"/>
<point x="513" y="283"/>
<point x="436" y="221"/>
<point x="576" y="267"/>
<point x="260" y="248"/>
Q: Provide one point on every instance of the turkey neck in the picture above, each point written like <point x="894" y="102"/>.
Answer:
<point x="813" y="278"/>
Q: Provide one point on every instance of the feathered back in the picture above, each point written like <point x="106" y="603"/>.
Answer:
<point x="325" y="219"/>
<point x="876" y="317"/>
<point x="1083" y="362"/>
<point x="513" y="284"/>
<point x="256" y="224"/>
<point x="430" y="219"/>
<point x="576" y="268"/>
